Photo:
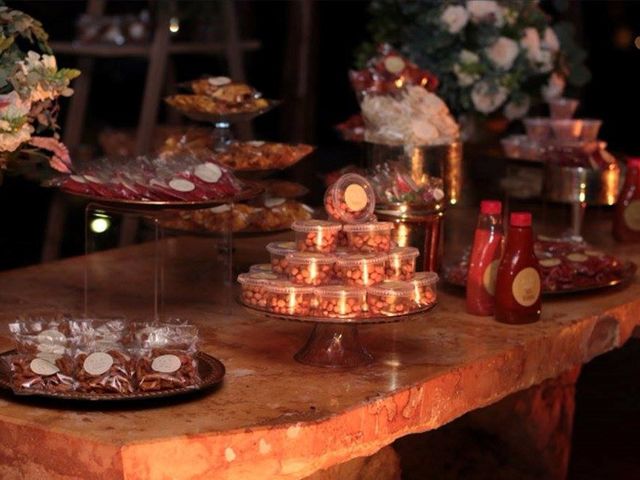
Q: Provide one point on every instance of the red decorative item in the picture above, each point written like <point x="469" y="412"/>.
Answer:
<point x="388" y="72"/>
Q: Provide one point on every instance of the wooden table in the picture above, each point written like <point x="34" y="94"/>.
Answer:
<point x="272" y="417"/>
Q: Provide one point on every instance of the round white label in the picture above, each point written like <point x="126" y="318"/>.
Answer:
<point x="550" y="262"/>
<point x="489" y="277"/>
<point x="181" y="185"/>
<point x="631" y="215"/>
<point x="51" y="348"/>
<point x="219" y="81"/>
<point x="51" y="337"/>
<point x="93" y="179"/>
<point x="594" y="253"/>
<point x="394" y="64"/>
<point x="273" y="202"/>
<point x="577" y="257"/>
<point x="97" y="363"/>
<point x="221" y="208"/>
<point x="208" y="172"/>
<point x="40" y="366"/>
<point x="255" y="143"/>
<point x="307" y="208"/>
<point x="355" y="197"/>
<point x="166" y="363"/>
<point x="78" y="178"/>
<point x="526" y="287"/>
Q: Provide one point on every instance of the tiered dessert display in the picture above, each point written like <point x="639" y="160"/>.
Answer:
<point x="578" y="168"/>
<point x="220" y="101"/>
<point x="106" y="360"/>
<point x="339" y="274"/>
<point x="278" y="208"/>
<point x="565" y="266"/>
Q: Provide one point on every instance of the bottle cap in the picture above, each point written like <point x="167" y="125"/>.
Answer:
<point x="633" y="162"/>
<point x="490" y="207"/>
<point x="520" y="219"/>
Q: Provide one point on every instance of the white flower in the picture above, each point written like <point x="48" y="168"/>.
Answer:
<point x="12" y="107"/>
<point x="550" y="40"/>
<point x="503" y="53"/>
<point x="485" y="11"/>
<point x="513" y="110"/>
<point x="554" y="88"/>
<point x="545" y="65"/>
<point x="463" y="73"/>
<point x="467" y="57"/>
<point x="455" y="17"/>
<point x="487" y="97"/>
<point x="510" y="15"/>
<point x="530" y="42"/>
<point x="14" y="127"/>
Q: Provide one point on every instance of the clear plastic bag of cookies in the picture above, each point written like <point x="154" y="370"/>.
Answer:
<point x="166" y="358"/>
<point x="44" y="370"/>
<point x="104" y="367"/>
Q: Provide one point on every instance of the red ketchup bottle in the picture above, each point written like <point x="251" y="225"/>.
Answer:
<point x="485" y="258"/>
<point x="626" y="222"/>
<point x="518" y="281"/>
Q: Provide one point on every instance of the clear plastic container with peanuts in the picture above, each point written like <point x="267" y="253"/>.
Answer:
<point x="391" y="298"/>
<point x="337" y="301"/>
<point x="261" y="268"/>
<point x="424" y="288"/>
<point x="253" y="287"/>
<point x="309" y="268"/>
<point x="290" y="299"/>
<point x="316" y="235"/>
<point x="361" y="269"/>
<point x="401" y="263"/>
<point x="279" y="252"/>
<point x="351" y="199"/>
<point x="369" y="237"/>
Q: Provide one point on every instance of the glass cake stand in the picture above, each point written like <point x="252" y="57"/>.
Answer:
<point x="335" y="342"/>
<point x="222" y="134"/>
<point x="152" y="213"/>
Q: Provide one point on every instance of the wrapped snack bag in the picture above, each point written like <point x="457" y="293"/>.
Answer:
<point x="41" y="366"/>
<point x="104" y="367"/>
<point x="166" y="357"/>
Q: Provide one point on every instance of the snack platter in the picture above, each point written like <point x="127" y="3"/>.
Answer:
<point x="565" y="267"/>
<point x="210" y="369"/>
<point x="231" y="117"/>
<point x="250" y="191"/>
<point x="106" y="359"/>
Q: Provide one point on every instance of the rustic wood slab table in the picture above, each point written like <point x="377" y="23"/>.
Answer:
<point x="273" y="417"/>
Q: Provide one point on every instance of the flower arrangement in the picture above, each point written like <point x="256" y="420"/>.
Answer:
<point x="490" y="56"/>
<point x="30" y="85"/>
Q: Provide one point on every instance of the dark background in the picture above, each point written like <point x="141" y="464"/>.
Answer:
<point x="607" y="29"/>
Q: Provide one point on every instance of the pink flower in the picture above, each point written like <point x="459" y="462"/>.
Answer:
<point x="60" y="161"/>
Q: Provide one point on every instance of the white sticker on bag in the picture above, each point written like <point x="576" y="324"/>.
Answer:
<point x="166" y="363"/>
<point x="208" y="172"/>
<point x="181" y="185"/>
<point x="52" y="337"/>
<point x="273" y="202"/>
<point x="40" y="366"/>
<point x="97" y="363"/>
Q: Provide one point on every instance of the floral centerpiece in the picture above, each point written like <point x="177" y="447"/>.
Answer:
<point x="30" y="85"/>
<point x="491" y="57"/>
